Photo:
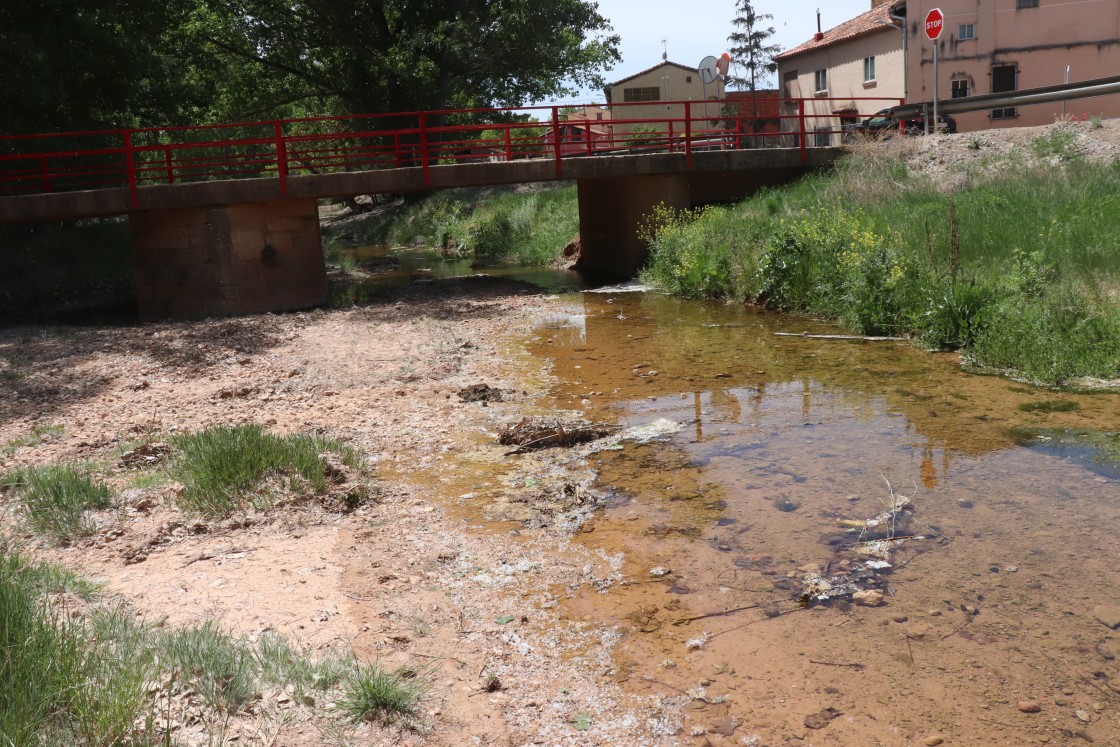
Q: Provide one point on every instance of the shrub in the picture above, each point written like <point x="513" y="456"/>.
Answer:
<point x="490" y="237"/>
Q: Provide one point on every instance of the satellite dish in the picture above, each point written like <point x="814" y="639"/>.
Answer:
<point x="708" y="69"/>
<point x="723" y="64"/>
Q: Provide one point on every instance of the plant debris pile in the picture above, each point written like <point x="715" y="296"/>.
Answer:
<point x="864" y="556"/>
<point x="480" y="393"/>
<point x="541" y="433"/>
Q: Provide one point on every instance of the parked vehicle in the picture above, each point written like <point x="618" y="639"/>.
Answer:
<point x="884" y="124"/>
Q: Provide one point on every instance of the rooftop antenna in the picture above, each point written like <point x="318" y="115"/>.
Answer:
<point x="664" y="49"/>
<point x="819" y="21"/>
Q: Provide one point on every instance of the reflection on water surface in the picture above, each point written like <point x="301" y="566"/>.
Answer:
<point x="791" y="442"/>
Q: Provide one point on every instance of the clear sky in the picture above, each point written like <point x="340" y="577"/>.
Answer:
<point x="697" y="29"/>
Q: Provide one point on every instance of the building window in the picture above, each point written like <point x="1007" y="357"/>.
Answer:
<point x="820" y="81"/>
<point x="966" y="31"/>
<point x="1026" y="3"/>
<point x="1005" y="78"/>
<point x="822" y="137"/>
<point x="688" y="79"/>
<point x="960" y="88"/>
<point x="652" y="93"/>
<point x="868" y="69"/>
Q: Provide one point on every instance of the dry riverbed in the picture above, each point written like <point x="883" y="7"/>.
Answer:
<point x="400" y="580"/>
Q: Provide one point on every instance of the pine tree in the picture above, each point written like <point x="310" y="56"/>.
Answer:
<point x="749" y="51"/>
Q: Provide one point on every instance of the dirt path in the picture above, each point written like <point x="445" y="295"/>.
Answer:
<point x="400" y="581"/>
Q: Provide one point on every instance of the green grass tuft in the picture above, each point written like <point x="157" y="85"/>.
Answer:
<point x="85" y="676"/>
<point x="373" y="694"/>
<point x="224" y="468"/>
<point x="58" y="685"/>
<point x="56" y="499"/>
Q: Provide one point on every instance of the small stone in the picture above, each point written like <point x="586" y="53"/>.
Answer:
<point x="935" y="613"/>
<point x="821" y="719"/>
<point x="1108" y="614"/>
<point x="1029" y="706"/>
<point x="900" y="618"/>
<point x="868" y="598"/>
<point x="658" y="572"/>
<point x="934" y="741"/>
<point x="724" y="726"/>
<point x="1084" y="716"/>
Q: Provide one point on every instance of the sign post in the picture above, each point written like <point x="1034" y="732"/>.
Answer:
<point x="935" y="24"/>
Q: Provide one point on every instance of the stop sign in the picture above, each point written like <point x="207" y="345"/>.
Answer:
<point x="935" y="24"/>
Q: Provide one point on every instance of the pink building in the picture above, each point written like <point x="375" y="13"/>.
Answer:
<point x="989" y="46"/>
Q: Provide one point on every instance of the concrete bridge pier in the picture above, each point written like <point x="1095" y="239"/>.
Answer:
<point x="611" y="210"/>
<point x="247" y="258"/>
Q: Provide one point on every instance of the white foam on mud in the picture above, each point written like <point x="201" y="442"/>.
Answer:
<point x="631" y="287"/>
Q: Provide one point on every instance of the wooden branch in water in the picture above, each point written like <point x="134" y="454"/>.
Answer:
<point x="863" y="338"/>
<point x="724" y="613"/>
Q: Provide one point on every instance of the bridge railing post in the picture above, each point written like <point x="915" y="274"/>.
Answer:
<point x="424" y="148"/>
<point x="168" y="164"/>
<point x="130" y="165"/>
<point x="688" y="134"/>
<point x="556" y="138"/>
<point x="44" y="169"/>
<point x="397" y="150"/>
<point x="281" y="156"/>
<point x="801" y="129"/>
<point x="509" y="144"/>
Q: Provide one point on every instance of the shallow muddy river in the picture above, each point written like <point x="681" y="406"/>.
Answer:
<point x="995" y="555"/>
<point x="844" y="543"/>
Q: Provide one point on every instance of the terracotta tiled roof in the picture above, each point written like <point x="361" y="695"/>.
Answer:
<point x="861" y="25"/>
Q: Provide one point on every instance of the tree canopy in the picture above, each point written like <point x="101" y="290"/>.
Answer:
<point x="113" y="63"/>
<point x="749" y="48"/>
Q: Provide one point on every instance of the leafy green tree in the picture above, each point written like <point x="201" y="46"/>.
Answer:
<point x="749" y="48"/>
<point x="100" y="64"/>
<point x="368" y="56"/>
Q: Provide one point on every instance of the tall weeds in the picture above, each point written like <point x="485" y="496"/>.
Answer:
<point x="1017" y="267"/>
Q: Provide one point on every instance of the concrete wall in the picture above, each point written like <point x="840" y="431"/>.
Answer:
<point x="844" y="63"/>
<point x="232" y="259"/>
<point x="610" y="211"/>
<point x="1040" y="42"/>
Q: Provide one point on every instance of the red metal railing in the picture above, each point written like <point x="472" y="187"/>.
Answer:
<point x="280" y="149"/>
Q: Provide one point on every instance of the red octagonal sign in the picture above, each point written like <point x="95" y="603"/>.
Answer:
<point x="935" y="24"/>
